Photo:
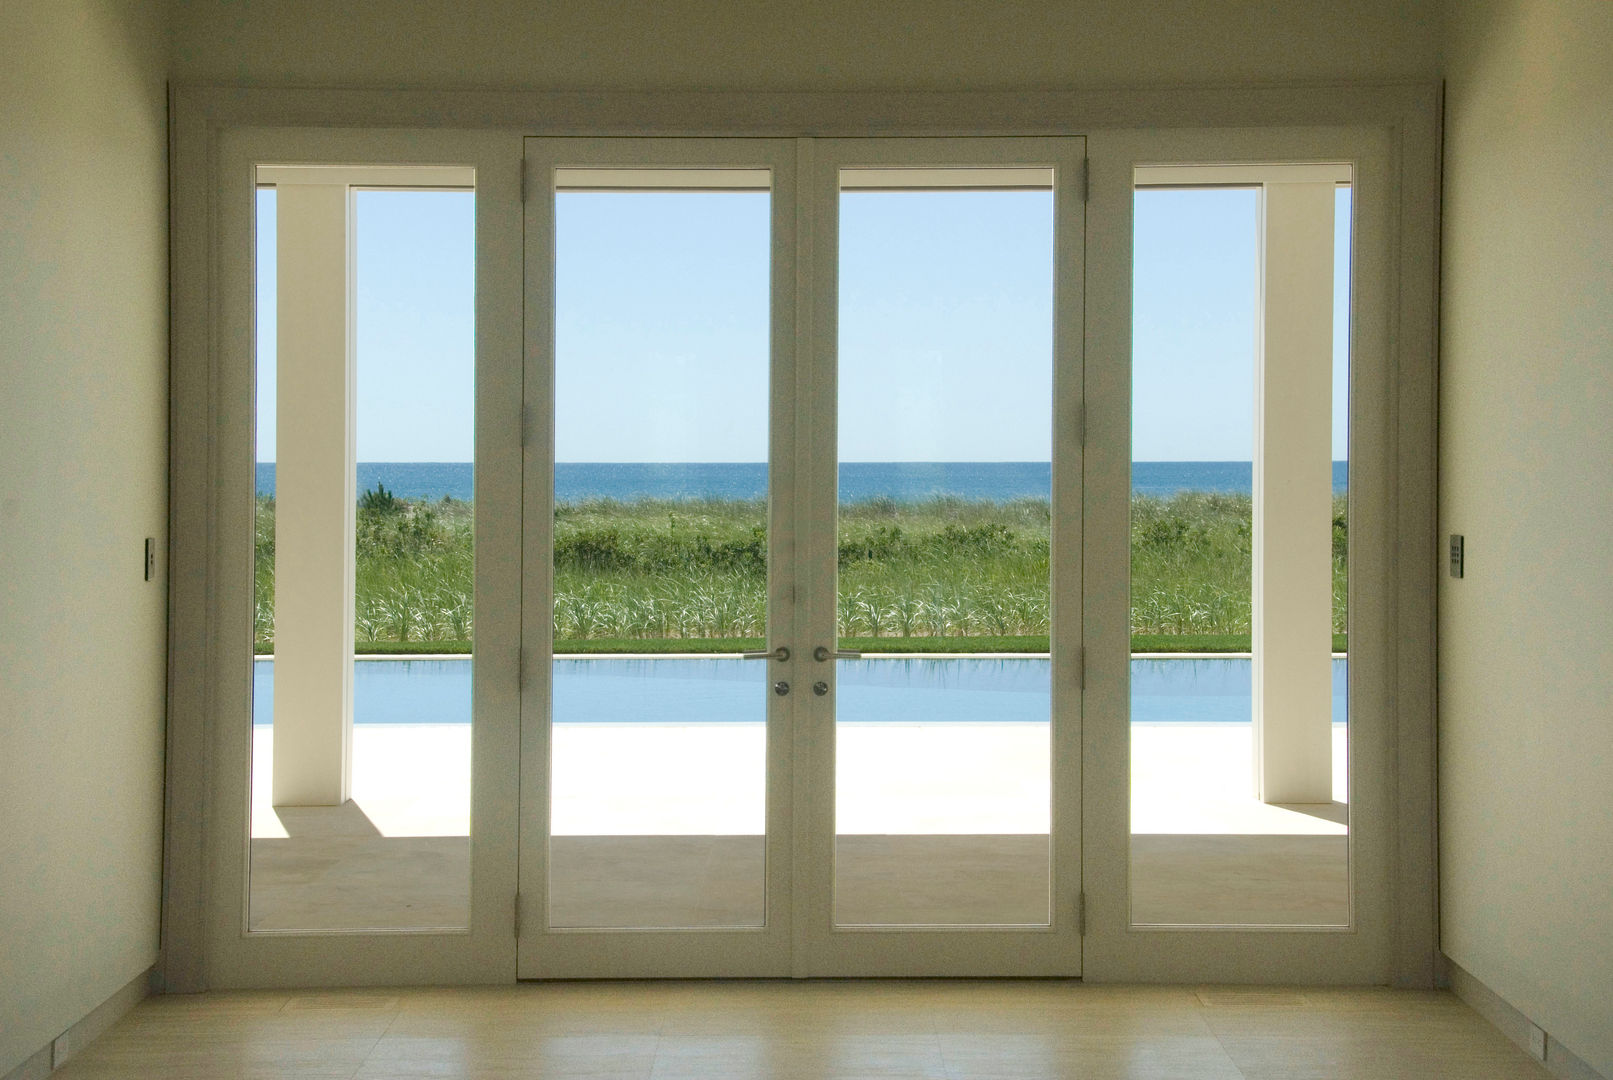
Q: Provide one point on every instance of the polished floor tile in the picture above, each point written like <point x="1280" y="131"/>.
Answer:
<point x="781" y="1030"/>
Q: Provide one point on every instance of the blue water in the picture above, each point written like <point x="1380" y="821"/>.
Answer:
<point x="725" y="689"/>
<point x="859" y="480"/>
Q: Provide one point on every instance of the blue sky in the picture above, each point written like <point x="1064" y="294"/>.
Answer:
<point x="415" y="324"/>
<point x="661" y="326"/>
<point x="1193" y="311"/>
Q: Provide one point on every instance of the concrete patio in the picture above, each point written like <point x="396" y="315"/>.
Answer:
<point x="660" y="824"/>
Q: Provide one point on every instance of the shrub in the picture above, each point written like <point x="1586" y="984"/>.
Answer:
<point x="379" y="501"/>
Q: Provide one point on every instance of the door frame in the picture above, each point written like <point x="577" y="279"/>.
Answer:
<point x="207" y="397"/>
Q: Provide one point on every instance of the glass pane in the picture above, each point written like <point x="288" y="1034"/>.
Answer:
<point x="659" y="749"/>
<point x="1207" y="846"/>
<point x="942" y="734"/>
<point x="364" y="823"/>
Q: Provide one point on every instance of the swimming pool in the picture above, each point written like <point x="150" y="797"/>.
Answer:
<point x="729" y="690"/>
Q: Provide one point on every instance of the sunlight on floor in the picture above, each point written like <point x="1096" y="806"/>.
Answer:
<point x="707" y="779"/>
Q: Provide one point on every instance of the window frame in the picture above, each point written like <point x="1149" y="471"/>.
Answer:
<point x="210" y="396"/>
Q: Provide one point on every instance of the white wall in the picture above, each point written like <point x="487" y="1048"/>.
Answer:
<point x="823" y="45"/>
<point x="83" y="480"/>
<point x="1526" y="638"/>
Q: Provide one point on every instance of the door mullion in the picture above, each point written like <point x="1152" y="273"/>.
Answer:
<point x="807" y="886"/>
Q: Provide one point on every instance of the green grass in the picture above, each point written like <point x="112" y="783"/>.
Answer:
<point x="1140" y="643"/>
<point x="409" y="648"/>
<point x="940" y="575"/>
<point x="1205" y="643"/>
<point x="389" y="648"/>
<point x="733" y="645"/>
<point x="656" y="645"/>
<point x="414" y="576"/>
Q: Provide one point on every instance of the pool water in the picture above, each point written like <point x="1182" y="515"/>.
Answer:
<point x="729" y="690"/>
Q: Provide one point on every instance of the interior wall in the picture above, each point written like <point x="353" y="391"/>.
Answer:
<point x="83" y="482"/>
<point x="825" y="45"/>
<point x="1526" y="637"/>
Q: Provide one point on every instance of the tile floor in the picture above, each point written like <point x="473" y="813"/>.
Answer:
<point x="874" y="1029"/>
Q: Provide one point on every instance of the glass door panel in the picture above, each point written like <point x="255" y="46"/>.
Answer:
<point x="943" y="725"/>
<point x="939" y="775"/>
<point x="365" y="520"/>
<point x="1239" y="519"/>
<point x="656" y="736"/>
<point x="659" y="727"/>
<point x="708" y="788"/>
<point x="364" y="534"/>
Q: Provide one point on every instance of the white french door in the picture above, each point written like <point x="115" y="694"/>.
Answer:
<point x="384" y="854"/>
<point x="712" y="783"/>
<point x="939" y="801"/>
<point x="1238" y="817"/>
<point x="807" y="549"/>
<point x="656" y="786"/>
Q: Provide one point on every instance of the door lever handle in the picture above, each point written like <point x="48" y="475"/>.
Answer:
<point x="822" y="653"/>
<point x="781" y="654"/>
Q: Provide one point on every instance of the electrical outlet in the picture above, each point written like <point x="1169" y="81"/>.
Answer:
<point x="1537" y="1042"/>
<point x="60" y="1049"/>
<point x="1458" y="553"/>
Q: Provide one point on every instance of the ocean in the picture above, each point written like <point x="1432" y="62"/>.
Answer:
<point x="859" y="480"/>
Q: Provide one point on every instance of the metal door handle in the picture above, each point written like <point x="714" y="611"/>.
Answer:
<point x="822" y="653"/>
<point x="781" y="654"/>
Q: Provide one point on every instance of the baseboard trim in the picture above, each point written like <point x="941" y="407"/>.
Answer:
<point x="79" y="1035"/>
<point x="1560" y="1060"/>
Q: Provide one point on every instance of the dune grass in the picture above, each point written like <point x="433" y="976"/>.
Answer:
<point x="413" y="577"/>
<point x="1140" y="643"/>
<point x="939" y="575"/>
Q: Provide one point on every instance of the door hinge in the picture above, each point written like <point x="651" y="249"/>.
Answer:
<point x="1081" y="665"/>
<point x="1086" y="178"/>
<point x="520" y="668"/>
<point x="1081" y="425"/>
<point x="1081" y="914"/>
<point x="517" y="914"/>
